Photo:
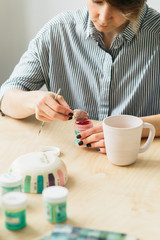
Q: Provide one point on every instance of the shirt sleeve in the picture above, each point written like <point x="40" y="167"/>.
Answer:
<point x="28" y="74"/>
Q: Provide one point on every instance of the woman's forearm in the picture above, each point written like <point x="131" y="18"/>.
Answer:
<point x="19" y="104"/>
<point x="153" y="119"/>
<point x="46" y="105"/>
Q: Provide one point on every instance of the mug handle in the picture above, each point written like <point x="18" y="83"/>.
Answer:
<point x="150" y="137"/>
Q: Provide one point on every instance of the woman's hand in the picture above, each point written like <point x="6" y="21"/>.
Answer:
<point x="48" y="108"/>
<point x="21" y="104"/>
<point x="93" y="138"/>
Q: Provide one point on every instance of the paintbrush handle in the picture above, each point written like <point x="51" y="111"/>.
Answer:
<point x="56" y="96"/>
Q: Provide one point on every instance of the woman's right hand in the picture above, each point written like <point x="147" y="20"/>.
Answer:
<point x="20" y="104"/>
<point x="47" y="108"/>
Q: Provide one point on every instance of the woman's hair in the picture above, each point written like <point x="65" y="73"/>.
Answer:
<point x="131" y="9"/>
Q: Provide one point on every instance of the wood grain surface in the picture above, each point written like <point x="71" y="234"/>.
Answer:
<point x="101" y="195"/>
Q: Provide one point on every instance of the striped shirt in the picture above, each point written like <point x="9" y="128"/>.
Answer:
<point x="69" y="53"/>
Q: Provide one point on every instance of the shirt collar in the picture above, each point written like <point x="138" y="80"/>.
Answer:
<point x="92" y="32"/>
<point x="128" y="33"/>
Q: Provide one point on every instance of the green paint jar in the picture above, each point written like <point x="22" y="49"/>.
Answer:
<point x="10" y="182"/>
<point x="55" y="203"/>
<point x="14" y="207"/>
<point x="81" y="126"/>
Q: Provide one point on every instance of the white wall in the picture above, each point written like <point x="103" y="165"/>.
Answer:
<point x="154" y="4"/>
<point x="21" y="19"/>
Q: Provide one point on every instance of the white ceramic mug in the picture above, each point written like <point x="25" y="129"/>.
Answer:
<point x="122" y="135"/>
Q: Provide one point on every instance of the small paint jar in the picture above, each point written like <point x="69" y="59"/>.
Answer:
<point x="55" y="198"/>
<point x="81" y="126"/>
<point x="10" y="182"/>
<point x="14" y="207"/>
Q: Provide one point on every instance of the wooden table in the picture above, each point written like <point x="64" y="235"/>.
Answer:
<point x="101" y="195"/>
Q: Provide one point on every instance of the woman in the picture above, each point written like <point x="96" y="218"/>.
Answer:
<point x="104" y="57"/>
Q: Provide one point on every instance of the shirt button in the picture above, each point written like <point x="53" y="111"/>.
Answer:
<point x="116" y="47"/>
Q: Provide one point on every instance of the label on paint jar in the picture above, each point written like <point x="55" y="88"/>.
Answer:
<point x="76" y="139"/>
<point x="55" y="213"/>
<point x="15" y="220"/>
<point x="13" y="189"/>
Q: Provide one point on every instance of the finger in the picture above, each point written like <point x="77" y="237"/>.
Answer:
<point x="91" y="131"/>
<point x="44" y="112"/>
<point x="61" y="101"/>
<point x="59" y="105"/>
<point x="43" y="119"/>
<point x="91" y="139"/>
<point x="101" y="150"/>
<point x="57" y="116"/>
<point x="49" y="114"/>
<point x="99" y="144"/>
<point x="54" y="105"/>
<point x="49" y="107"/>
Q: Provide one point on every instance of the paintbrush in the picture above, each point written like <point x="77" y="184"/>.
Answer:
<point x="56" y="96"/>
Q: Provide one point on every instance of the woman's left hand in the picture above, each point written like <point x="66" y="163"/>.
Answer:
<point x="93" y="138"/>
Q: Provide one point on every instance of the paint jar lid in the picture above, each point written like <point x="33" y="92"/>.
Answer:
<point x="53" y="149"/>
<point x="14" y="200"/>
<point x="10" y="180"/>
<point x="82" y="126"/>
<point x="55" y="194"/>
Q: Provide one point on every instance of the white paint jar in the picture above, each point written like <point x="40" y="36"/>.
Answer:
<point x="10" y="182"/>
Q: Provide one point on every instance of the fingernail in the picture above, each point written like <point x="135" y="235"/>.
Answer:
<point x="70" y="114"/>
<point x="88" y="145"/>
<point x="79" y="136"/>
<point x="80" y="143"/>
<point x="98" y="149"/>
<point x="70" y="118"/>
